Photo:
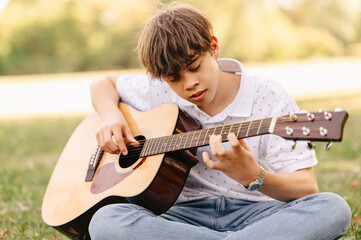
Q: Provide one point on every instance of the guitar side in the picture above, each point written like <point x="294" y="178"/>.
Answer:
<point x="69" y="202"/>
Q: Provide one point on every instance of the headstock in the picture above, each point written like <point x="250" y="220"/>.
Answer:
<point x="315" y="126"/>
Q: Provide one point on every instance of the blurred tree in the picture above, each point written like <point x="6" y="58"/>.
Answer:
<point x="81" y="35"/>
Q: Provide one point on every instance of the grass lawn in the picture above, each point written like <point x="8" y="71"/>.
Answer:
<point x="29" y="149"/>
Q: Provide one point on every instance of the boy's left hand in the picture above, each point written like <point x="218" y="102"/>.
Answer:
<point x="238" y="162"/>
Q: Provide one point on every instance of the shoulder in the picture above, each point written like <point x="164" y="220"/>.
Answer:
<point x="132" y="79"/>
<point x="141" y="89"/>
<point x="265" y="85"/>
<point x="271" y="97"/>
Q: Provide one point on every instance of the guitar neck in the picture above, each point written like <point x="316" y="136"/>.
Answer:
<point x="201" y="137"/>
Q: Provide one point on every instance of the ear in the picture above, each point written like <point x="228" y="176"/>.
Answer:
<point x="215" y="47"/>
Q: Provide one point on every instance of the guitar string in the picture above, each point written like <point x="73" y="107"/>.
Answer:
<point x="201" y="132"/>
<point x="137" y="149"/>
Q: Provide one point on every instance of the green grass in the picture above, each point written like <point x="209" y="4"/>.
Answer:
<point x="29" y="149"/>
<point x="339" y="169"/>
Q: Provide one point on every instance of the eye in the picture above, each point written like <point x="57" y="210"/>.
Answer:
<point x="195" y="69"/>
<point x="172" y="80"/>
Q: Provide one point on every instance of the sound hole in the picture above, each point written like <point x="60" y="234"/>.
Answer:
<point x="133" y="153"/>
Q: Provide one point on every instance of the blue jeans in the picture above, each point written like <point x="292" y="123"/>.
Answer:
<point x="315" y="217"/>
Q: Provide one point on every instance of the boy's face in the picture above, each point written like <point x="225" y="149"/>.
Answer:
<point x="198" y="84"/>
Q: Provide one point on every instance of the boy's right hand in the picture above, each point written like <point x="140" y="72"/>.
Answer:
<point x="114" y="135"/>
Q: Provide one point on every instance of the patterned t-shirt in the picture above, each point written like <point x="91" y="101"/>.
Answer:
<point x="257" y="98"/>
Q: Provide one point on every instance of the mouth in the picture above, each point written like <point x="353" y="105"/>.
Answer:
<point x="198" y="95"/>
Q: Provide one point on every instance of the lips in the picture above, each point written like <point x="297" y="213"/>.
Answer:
<point x="199" y="95"/>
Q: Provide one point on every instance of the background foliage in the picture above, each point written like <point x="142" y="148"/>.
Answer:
<point x="40" y="36"/>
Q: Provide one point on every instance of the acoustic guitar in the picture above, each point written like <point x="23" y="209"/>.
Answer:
<point x="152" y="175"/>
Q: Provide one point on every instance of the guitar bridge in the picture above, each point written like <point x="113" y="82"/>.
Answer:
<point x="93" y="163"/>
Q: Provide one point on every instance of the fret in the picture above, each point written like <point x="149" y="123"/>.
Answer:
<point x="186" y="141"/>
<point x="159" y="145"/>
<point x="199" y="136"/>
<point x="169" y="143"/>
<point x="259" y="126"/>
<point x="239" y="128"/>
<point x="253" y="128"/>
<point x="265" y="126"/>
<point x="221" y="133"/>
<point x="214" y="132"/>
<point x="230" y="130"/>
<point x="218" y="130"/>
<point x="144" y="151"/>
<point x="151" y="146"/>
<point x="173" y="141"/>
<point x="243" y="130"/>
<point x="205" y="137"/>
<point x="192" y="139"/>
<point x="249" y="126"/>
<point x="178" y="141"/>
<point x="225" y="132"/>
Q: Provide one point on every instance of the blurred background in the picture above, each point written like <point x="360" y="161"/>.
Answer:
<point x="309" y="46"/>
<point x="40" y="36"/>
<point x="50" y="51"/>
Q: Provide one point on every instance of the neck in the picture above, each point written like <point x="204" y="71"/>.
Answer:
<point x="201" y="137"/>
<point x="227" y="89"/>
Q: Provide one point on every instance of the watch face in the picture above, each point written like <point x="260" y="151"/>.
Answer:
<point x="254" y="187"/>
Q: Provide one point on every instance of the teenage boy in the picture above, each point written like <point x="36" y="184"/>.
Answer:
<point x="256" y="188"/>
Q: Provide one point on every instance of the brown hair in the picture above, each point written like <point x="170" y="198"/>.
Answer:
<point x="172" y="38"/>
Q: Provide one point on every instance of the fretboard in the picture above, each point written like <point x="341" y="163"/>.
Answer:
<point x="201" y="137"/>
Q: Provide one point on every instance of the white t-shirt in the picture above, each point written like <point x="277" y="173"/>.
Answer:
<point x="257" y="98"/>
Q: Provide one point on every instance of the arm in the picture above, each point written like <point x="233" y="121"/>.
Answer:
<point x="113" y="134"/>
<point x="239" y="164"/>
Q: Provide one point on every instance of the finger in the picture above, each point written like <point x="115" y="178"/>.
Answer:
<point x="119" y="140"/>
<point x="101" y="142"/>
<point x="109" y="142"/>
<point x="232" y="139"/>
<point x="216" y="145"/>
<point x="130" y="138"/>
<point x="207" y="160"/>
<point x="243" y="144"/>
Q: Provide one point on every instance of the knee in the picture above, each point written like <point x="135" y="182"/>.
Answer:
<point x="335" y="211"/>
<point x="100" y="222"/>
<point x="112" y="221"/>
<point x="117" y="221"/>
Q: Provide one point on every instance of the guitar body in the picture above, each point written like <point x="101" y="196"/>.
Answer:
<point x="153" y="182"/>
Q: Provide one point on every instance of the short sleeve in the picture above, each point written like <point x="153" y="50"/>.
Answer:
<point x="277" y="152"/>
<point x="134" y="90"/>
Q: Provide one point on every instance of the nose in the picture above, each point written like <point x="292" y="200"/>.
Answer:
<point x="190" y="81"/>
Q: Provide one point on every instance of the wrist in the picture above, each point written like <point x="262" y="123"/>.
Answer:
<point x="257" y="183"/>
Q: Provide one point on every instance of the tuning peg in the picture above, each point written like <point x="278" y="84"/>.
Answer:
<point x="328" y="115"/>
<point x="294" y="144"/>
<point x="310" y="116"/>
<point x="328" y="146"/>
<point x="310" y="145"/>
<point x="293" y="117"/>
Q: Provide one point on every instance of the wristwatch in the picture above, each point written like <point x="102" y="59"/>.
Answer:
<point x="255" y="185"/>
